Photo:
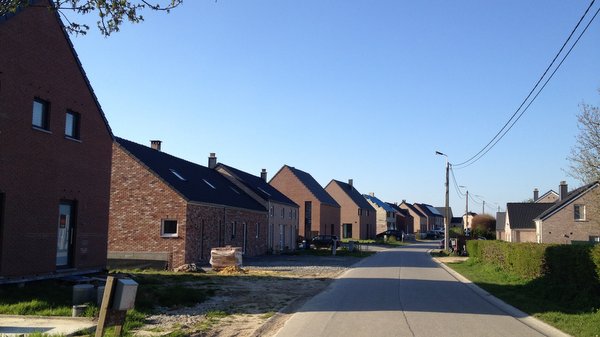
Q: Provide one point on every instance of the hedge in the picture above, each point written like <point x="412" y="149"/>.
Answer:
<point x="566" y="270"/>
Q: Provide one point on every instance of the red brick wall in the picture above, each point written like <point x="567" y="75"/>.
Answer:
<point x="40" y="168"/>
<point x="140" y="201"/>
<point x="349" y="214"/>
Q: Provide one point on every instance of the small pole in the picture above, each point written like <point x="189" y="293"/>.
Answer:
<point x="103" y="318"/>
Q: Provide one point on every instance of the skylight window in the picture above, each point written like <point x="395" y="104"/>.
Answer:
<point x="175" y="173"/>
<point x="233" y="189"/>
<point x="265" y="192"/>
<point x="209" y="184"/>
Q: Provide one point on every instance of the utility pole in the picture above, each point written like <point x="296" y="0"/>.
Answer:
<point x="467" y="211"/>
<point x="447" y="217"/>
<point x="483" y="208"/>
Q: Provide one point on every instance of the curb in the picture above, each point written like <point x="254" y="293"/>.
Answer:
<point x="532" y="322"/>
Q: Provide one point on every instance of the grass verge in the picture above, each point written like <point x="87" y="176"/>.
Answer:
<point x="568" y="315"/>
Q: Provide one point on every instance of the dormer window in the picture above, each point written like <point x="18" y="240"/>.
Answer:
<point x="175" y="173"/>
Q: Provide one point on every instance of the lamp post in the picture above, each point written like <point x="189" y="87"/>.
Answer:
<point x="466" y="209"/>
<point x="447" y="216"/>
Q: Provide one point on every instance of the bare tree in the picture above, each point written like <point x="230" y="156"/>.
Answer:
<point x="111" y="13"/>
<point x="585" y="155"/>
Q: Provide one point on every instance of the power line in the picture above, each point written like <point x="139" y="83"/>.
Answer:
<point x="504" y="130"/>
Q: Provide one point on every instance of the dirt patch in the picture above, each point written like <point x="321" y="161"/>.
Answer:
<point x="249" y="301"/>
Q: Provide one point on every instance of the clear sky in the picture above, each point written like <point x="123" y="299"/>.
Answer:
<point x="363" y="90"/>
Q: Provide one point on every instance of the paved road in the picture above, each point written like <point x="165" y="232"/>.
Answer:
<point x="402" y="292"/>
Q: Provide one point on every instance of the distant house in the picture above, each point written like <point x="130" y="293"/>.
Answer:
<point x="573" y="218"/>
<point x="467" y="219"/>
<point x="283" y="212"/>
<point x="166" y="209"/>
<point x="519" y="225"/>
<point x="404" y="221"/>
<point x="386" y="215"/>
<point x="357" y="215"/>
<point x="55" y="152"/>
<point x="548" y="197"/>
<point x="435" y="220"/>
<point x="500" y="226"/>
<point x="442" y="211"/>
<point x="319" y="212"/>
<point x="456" y="222"/>
<point x="419" y="219"/>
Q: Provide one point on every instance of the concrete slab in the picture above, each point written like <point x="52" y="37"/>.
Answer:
<point x="11" y="325"/>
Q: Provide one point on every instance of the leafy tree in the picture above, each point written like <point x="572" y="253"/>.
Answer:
<point x="111" y="13"/>
<point x="483" y="225"/>
<point x="585" y="155"/>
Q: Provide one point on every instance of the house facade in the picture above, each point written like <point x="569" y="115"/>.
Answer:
<point x="419" y="219"/>
<point x="386" y="215"/>
<point x="166" y="209"/>
<point x="404" y="221"/>
<point x="519" y="223"/>
<point x="283" y="216"/>
<point x="574" y="218"/>
<point x="500" y="226"/>
<point x="357" y="216"/>
<point x="56" y="153"/>
<point x="319" y="213"/>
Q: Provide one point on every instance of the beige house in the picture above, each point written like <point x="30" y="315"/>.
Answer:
<point x="357" y="215"/>
<point x="519" y="225"/>
<point x="282" y="229"/>
<point x="419" y="219"/>
<point x="575" y="218"/>
<point x="386" y="215"/>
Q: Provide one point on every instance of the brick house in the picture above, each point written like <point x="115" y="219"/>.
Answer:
<point x="434" y="219"/>
<point x="166" y="209"/>
<point x="500" y="226"/>
<point x="404" y="221"/>
<point x="573" y="218"/>
<point x="283" y="212"/>
<point x="547" y="197"/>
<point x="56" y="153"/>
<point x="419" y="219"/>
<point x="519" y="225"/>
<point x="319" y="213"/>
<point x="386" y="215"/>
<point x="357" y="215"/>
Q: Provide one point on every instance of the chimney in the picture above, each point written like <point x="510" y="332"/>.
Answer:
<point x="536" y="194"/>
<point x="263" y="174"/>
<point x="372" y="194"/>
<point x="564" y="189"/>
<point x="212" y="160"/>
<point x="155" y="144"/>
<point x="350" y="182"/>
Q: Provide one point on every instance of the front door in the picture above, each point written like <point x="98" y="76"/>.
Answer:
<point x="66" y="227"/>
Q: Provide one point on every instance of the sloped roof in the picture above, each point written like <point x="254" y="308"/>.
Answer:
<point x="428" y="210"/>
<point x="500" y="220"/>
<point x="258" y="186"/>
<point x="456" y="220"/>
<point x="413" y="209"/>
<point x="313" y="186"/>
<point x="521" y="214"/>
<point x="571" y="196"/>
<point x="442" y="211"/>
<point x="551" y="192"/>
<point x="353" y="194"/>
<point x="379" y="203"/>
<point x="399" y="211"/>
<point x="193" y="182"/>
<point x="6" y="15"/>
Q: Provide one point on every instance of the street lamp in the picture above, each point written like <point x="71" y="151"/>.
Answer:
<point x="483" y="201"/>
<point x="447" y="217"/>
<point x="466" y="209"/>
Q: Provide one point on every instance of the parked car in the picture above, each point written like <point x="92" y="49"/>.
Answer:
<point x="391" y="232"/>
<point x="325" y="241"/>
<point x="432" y="235"/>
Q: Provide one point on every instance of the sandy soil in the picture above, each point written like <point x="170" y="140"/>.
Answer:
<point x="254" y="303"/>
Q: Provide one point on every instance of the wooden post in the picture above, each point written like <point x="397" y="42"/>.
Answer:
<point x="106" y="299"/>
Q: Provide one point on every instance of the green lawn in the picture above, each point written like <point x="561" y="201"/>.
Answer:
<point x="574" y="316"/>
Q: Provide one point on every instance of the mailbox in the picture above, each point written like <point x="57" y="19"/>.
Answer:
<point x="124" y="297"/>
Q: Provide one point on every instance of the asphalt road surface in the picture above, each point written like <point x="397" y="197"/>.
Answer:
<point x="403" y="292"/>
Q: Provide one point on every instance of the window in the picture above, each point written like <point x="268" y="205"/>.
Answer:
<point x="359" y="211"/>
<point x="168" y="228"/>
<point x="283" y="213"/>
<point x="177" y="174"/>
<point x="41" y="114"/>
<point x="272" y="211"/>
<point x="347" y="230"/>
<point x="595" y="240"/>
<point x="257" y="230"/>
<point x="579" y="212"/>
<point x="367" y="212"/>
<point x="72" y="125"/>
<point x="291" y="211"/>
<point x="233" y="229"/>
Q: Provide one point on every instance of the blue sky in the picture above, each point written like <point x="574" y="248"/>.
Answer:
<point x="366" y="90"/>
